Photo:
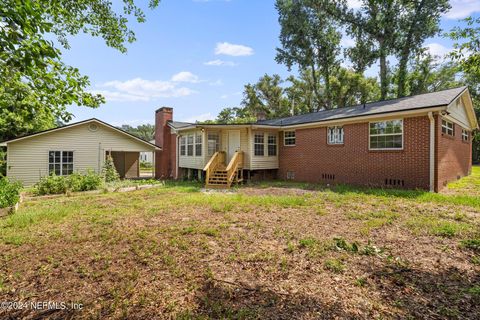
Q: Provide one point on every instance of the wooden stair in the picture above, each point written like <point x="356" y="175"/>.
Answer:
<point x="220" y="176"/>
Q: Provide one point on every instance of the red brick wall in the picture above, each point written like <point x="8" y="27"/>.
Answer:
<point x="313" y="160"/>
<point x="165" y="160"/>
<point x="453" y="156"/>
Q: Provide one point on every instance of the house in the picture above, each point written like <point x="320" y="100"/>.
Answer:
<point x="76" y="147"/>
<point x="416" y="142"/>
<point x="147" y="156"/>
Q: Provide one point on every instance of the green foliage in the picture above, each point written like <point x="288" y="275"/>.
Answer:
<point x="109" y="171"/>
<point x="9" y="192"/>
<point x="3" y="162"/>
<point x="472" y="244"/>
<point x="143" y="131"/>
<point x="334" y="265"/>
<point x="36" y="85"/>
<point x="466" y="48"/>
<point x="75" y="182"/>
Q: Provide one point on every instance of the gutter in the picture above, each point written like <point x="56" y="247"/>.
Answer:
<point x="432" y="151"/>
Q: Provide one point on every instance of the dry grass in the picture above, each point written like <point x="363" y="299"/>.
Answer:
<point x="259" y="252"/>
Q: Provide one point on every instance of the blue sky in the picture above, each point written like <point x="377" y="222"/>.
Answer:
<point x="195" y="56"/>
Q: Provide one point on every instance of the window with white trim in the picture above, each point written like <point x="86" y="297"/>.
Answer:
<point x="198" y="144"/>
<point x="465" y="135"/>
<point x="60" y="163"/>
<point x="213" y="143"/>
<point x="190" y="145"/>
<point x="335" y="135"/>
<point x="289" y="138"/>
<point x="259" y="144"/>
<point x="448" y="127"/>
<point x="272" y="145"/>
<point x="183" y="145"/>
<point x="386" y="135"/>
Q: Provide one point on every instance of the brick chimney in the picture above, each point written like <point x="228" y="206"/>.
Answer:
<point x="261" y="115"/>
<point x="165" y="160"/>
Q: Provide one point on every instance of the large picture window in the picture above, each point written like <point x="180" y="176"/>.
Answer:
<point x="198" y="144"/>
<point x="289" y="138"/>
<point x="272" y="145"/>
<point x="190" y="145"/>
<point x="448" y="127"/>
<point x="60" y="162"/>
<point x="183" y="145"/>
<point x="386" y="135"/>
<point x="213" y="143"/>
<point x="335" y="135"/>
<point x="259" y="144"/>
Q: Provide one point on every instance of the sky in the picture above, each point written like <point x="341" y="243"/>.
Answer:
<point x="196" y="56"/>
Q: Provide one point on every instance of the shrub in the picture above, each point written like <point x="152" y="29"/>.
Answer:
<point x="9" y="192"/>
<point x="75" y="182"/>
<point x="3" y="163"/>
<point x="51" y="184"/>
<point x="109" y="172"/>
<point x="91" y="181"/>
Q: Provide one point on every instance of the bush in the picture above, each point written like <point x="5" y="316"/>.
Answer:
<point x="109" y="172"/>
<point x="145" y="165"/>
<point x="9" y="193"/>
<point x="75" y="182"/>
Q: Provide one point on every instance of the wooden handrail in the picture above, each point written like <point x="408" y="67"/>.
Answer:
<point x="217" y="158"/>
<point x="234" y="164"/>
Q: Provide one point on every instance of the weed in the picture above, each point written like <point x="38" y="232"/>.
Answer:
<point x="472" y="244"/>
<point x="334" y="265"/>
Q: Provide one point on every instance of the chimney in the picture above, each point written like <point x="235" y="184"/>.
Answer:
<point x="165" y="160"/>
<point x="261" y="115"/>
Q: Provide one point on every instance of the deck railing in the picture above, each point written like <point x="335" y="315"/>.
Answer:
<point x="235" y="164"/>
<point x="217" y="159"/>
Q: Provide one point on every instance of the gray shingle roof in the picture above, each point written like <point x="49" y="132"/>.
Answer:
<point x="179" y="124"/>
<point x="434" y="99"/>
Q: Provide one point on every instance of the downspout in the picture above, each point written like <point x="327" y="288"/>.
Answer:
<point x="177" y="154"/>
<point x="432" y="151"/>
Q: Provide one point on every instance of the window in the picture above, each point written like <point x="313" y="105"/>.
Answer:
<point x="190" y="145"/>
<point x="272" y="145"/>
<point x="464" y="135"/>
<point x="259" y="142"/>
<point x="447" y="127"/>
<point x="198" y="144"/>
<point x="335" y="135"/>
<point x="183" y="146"/>
<point x="60" y="162"/>
<point x="289" y="138"/>
<point x="386" y="135"/>
<point x="213" y="143"/>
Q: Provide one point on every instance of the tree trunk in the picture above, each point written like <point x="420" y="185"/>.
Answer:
<point x="315" y="86"/>
<point x="383" y="73"/>
<point x="328" y="103"/>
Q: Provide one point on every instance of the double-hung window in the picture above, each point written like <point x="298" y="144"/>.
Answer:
<point x="335" y="135"/>
<point x="190" y="145"/>
<point x="448" y="127"/>
<point x="386" y="135"/>
<point x="464" y="135"/>
<point x="272" y="145"/>
<point x="60" y="162"/>
<point x="259" y="144"/>
<point x="183" y="145"/>
<point x="289" y="138"/>
<point x="213" y="143"/>
<point x="198" y="144"/>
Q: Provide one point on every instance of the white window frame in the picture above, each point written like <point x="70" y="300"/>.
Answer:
<point x="337" y="137"/>
<point x="183" y="146"/>
<point x="61" y="163"/>
<point x="385" y="134"/>
<point x="274" y="136"/>
<point x="465" y="135"/>
<point x="216" y="141"/>
<point x="198" y="144"/>
<point x="285" y="138"/>
<point x="190" y="142"/>
<point x="260" y="134"/>
<point x="450" y="131"/>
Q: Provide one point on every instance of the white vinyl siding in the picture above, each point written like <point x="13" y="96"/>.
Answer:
<point x="386" y="135"/>
<point x="28" y="159"/>
<point x="265" y="161"/>
<point x="194" y="152"/>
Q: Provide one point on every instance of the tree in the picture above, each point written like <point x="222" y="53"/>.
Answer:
<point x="350" y="88"/>
<point x="266" y="96"/>
<point x="419" y="21"/>
<point x="143" y="131"/>
<point x="32" y="72"/>
<point x="310" y="40"/>
<point x="234" y="115"/>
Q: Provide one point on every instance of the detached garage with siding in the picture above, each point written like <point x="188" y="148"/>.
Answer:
<point x="77" y="147"/>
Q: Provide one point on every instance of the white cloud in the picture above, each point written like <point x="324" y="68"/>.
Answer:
<point x="462" y="8"/>
<point x="139" y="89"/>
<point x="235" y="50"/>
<point x="217" y="83"/>
<point x="220" y="63"/>
<point x="436" y="49"/>
<point x="200" y="117"/>
<point x="185" y="76"/>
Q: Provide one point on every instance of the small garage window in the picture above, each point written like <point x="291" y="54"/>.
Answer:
<point x="60" y="163"/>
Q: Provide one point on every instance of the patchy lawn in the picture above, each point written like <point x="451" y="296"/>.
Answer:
<point x="277" y="251"/>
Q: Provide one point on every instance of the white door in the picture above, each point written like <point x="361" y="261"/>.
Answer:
<point x="233" y="143"/>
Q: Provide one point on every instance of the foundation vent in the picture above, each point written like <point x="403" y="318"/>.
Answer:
<point x="328" y="176"/>
<point x="290" y="175"/>
<point x="395" y="182"/>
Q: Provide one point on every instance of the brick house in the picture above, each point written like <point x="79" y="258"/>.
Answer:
<point x="417" y="142"/>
